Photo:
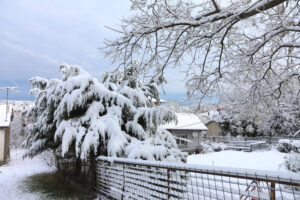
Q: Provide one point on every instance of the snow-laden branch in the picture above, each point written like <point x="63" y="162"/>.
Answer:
<point x="82" y="117"/>
<point x="242" y="43"/>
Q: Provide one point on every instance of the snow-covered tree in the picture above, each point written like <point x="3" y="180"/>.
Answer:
<point x="234" y="123"/>
<point x="79" y="115"/>
<point x="175" y="106"/>
<point x="252" y="46"/>
<point x="284" y="120"/>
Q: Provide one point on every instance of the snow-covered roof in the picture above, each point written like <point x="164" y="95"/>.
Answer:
<point x="212" y="115"/>
<point x="5" y="121"/>
<point x="186" y="121"/>
<point x="204" y="119"/>
<point x="155" y="100"/>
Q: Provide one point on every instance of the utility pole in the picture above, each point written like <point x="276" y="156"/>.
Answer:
<point x="7" y="88"/>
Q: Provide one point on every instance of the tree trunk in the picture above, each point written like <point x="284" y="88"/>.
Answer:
<point x="93" y="179"/>
<point x="78" y="167"/>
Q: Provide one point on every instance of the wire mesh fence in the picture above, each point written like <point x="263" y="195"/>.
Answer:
<point x="230" y="139"/>
<point x="119" y="178"/>
<point x="75" y="169"/>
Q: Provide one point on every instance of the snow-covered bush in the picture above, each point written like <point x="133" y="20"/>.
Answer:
<point x="218" y="146"/>
<point x="292" y="162"/>
<point x="288" y="146"/>
<point x="234" y="123"/>
<point x="17" y="135"/>
<point x="207" y="148"/>
<point x="81" y="116"/>
<point x="283" y="121"/>
<point x="203" y="148"/>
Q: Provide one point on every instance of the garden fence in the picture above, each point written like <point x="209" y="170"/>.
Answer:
<point x="227" y="139"/>
<point x="119" y="178"/>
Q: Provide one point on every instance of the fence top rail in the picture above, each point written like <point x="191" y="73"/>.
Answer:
<point x="251" y="138"/>
<point x="259" y="175"/>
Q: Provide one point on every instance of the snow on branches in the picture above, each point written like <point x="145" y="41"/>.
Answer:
<point x="79" y="115"/>
<point x="252" y="46"/>
<point x="283" y="121"/>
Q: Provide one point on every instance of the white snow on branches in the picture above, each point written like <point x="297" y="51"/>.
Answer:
<point x="79" y="115"/>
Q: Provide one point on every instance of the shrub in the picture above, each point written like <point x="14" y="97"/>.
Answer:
<point x="207" y="148"/>
<point x="289" y="146"/>
<point x="292" y="162"/>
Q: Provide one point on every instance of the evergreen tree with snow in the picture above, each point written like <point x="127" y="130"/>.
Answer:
<point x="81" y="116"/>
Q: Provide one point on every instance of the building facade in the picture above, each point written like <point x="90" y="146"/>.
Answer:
<point x="213" y="129"/>
<point x="187" y="131"/>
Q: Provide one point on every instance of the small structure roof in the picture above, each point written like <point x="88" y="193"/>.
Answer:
<point x="186" y="121"/>
<point x="155" y="100"/>
<point x="5" y="120"/>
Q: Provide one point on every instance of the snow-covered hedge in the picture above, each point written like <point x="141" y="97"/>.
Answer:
<point x="292" y="162"/>
<point x="117" y="118"/>
<point x="288" y="146"/>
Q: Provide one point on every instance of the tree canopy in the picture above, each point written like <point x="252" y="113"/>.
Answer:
<point x="251" y="47"/>
<point x="80" y="116"/>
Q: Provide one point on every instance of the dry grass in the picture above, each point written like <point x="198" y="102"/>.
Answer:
<point x="55" y="186"/>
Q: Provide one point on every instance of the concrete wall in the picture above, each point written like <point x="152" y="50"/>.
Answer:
<point x="7" y="147"/>
<point x="4" y="145"/>
<point x="213" y="129"/>
<point x="188" y="146"/>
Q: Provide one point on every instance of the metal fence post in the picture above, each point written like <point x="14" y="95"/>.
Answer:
<point x="272" y="192"/>
<point x="168" y="171"/>
<point x="123" y="189"/>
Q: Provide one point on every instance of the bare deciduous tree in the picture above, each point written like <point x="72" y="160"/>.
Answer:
<point x="251" y="46"/>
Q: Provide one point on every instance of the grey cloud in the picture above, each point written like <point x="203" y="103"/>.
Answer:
<point x="36" y="36"/>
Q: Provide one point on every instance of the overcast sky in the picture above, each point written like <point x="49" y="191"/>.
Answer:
<point x="38" y="35"/>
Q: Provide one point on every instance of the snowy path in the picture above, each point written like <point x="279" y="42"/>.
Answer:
<point x="13" y="174"/>
<point x="271" y="160"/>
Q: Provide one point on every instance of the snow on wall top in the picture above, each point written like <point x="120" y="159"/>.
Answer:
<point x="186" y="121"/>
<point x="4" y="122"/>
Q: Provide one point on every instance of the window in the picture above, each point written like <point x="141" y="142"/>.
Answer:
<point x="182" y="140"/>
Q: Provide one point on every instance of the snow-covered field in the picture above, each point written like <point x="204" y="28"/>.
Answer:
<point x="13" y="174"/>
<point x="272" y="160"/>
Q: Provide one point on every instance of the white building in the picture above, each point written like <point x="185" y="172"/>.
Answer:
<point x="5" y="119"/>
<point x="187" y="131"/>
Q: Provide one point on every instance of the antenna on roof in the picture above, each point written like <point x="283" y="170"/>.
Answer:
<point x="7" y="88"/>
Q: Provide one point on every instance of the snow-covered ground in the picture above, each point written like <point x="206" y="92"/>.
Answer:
<point x="13" y="174"/>
<point x="272" y="160"/>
